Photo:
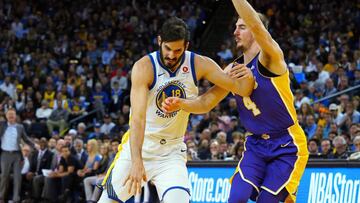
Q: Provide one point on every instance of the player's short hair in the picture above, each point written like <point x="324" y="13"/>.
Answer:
<point x="263" y="18"/>
<point x="174" y="29"/>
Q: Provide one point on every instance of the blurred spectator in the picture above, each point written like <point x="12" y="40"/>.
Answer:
<point x="93" y="160"/>
<point x="341" y="150"/>
<point x="8" y="87"/>
<point x="225" y="54"/>
<point x="310" y="126"/>
<point x="44" y="112"/>
<point x="81" y="131"/>
<point x="300" y="98"/>
<point x="356" y="154"/>
<point x="238" y="150"/>
<point x="52" y="145"/>
<point x="215" y="150"/>
<point x="96" y="134"/>
<point x="80" y="154"/>
<point x="114" y="148"/>
<point x="91" y="191"/>
<point x="42" y="159"/>
<point x="351" y="115"/>
<point x="313" y="148"/>
<point x="107" y="126"/>
<point x="191" y="151"/>
<point x="25" y="171"/>
<point x="326" y="148"/>
<point x="58" y="118"/>
<point x="65" y="176"/>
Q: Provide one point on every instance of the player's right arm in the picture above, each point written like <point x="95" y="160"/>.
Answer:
<point x="141" y="78"/>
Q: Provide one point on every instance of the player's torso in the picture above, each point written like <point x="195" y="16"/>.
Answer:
<point x="269" y="109"/>
<point x="181" y="83"/>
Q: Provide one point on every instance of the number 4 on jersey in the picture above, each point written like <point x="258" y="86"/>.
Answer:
<point x="250" y="105"/>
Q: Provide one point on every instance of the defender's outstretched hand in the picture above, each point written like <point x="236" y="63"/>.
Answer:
<point x="240" y="71"/>
<point x="171" y="104"/>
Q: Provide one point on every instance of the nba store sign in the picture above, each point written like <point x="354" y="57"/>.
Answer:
<point x="318" y="185"/>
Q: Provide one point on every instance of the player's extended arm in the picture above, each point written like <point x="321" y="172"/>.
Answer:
<point x="199" y="105"/>
<point x="210" y="98"/>
<point x="209" y="70"/>
<point x="271" y="51"/>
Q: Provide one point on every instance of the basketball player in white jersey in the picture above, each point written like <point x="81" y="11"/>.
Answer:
<point x="153" y="148"/>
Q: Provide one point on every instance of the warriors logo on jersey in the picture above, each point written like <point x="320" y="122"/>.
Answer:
<point x="170" y="89"/>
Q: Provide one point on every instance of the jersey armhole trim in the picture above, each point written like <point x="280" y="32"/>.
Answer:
<point x="192" y="64"/>
<point x="154" y="70"/>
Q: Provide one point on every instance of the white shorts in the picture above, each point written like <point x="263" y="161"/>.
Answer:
<point x="165" y="168"/>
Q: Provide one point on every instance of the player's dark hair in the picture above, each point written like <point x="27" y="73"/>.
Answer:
<point x="174" y="29"/>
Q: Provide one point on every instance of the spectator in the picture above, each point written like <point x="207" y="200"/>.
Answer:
<point x="108" y="55"/>
<point x="341" y="149"/>
<point x="120" y="79"/>
<point x="96" y="134"/>
<point x="107" y="126"/>
<point x="8" y="87"/>
<point x="351" y="116"/>
<point x="313" y="148"/>
<point x="191" y="151"/>
<point x="58" y="118"/>
<point x="42" y="159"/>
<point x="25" y="171"/>
<point x="44" y="112"/>
<point x="326" y="149"/>
<point x="92" y="162"/>
<point x="49" y="188"/>
<point x="356" y="154"/>
<point x="66" y="173"/>
<point x="238" y="150"/>
<point x="81" y="131"/>
<point x="80" y="154"/>
<point x="52" y="144"/>
<point x="90" y="182"/>
<point x="310" y="127"/>
<point x="215" y="150"/>
<point x="114" y="148"/>
<point x="300" y="98"/>
<point x="204" y="149"/>
<point x="225" y="54"/>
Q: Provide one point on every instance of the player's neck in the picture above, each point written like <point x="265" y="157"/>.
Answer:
<point x="251" y="52"/>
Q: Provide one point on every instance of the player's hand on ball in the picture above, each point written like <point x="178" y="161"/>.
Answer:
<point x="136" y="175"/>
<point x="171" y="104"/>
<point x="240" y="71"/>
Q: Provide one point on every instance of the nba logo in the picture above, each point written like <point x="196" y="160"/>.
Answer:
<point x="185" y="69"/>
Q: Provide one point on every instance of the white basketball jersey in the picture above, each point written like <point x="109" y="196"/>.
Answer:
<point x="181" y="83"/>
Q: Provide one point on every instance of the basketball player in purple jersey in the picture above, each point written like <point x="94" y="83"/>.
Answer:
<point x="275" y="153"/>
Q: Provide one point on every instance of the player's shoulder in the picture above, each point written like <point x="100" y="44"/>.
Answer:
<point x="202" y="60"/>
<point x="144" y="61"/>
<point x="143" y="68"/>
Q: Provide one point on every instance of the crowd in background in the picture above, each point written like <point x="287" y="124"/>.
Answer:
<point x="63" y="60"/>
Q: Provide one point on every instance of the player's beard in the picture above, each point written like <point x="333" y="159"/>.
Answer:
<point x="175" y="64"/>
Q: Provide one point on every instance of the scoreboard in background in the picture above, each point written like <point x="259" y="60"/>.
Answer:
<point x="323" y="181"/>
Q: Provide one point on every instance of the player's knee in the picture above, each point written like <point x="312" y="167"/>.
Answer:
<point x="238" y="198"/>
<point x="179" y="195"/>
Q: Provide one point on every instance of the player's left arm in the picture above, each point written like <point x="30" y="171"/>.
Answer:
<point x="209" y="70"/>
<point x="271" y="55"/>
